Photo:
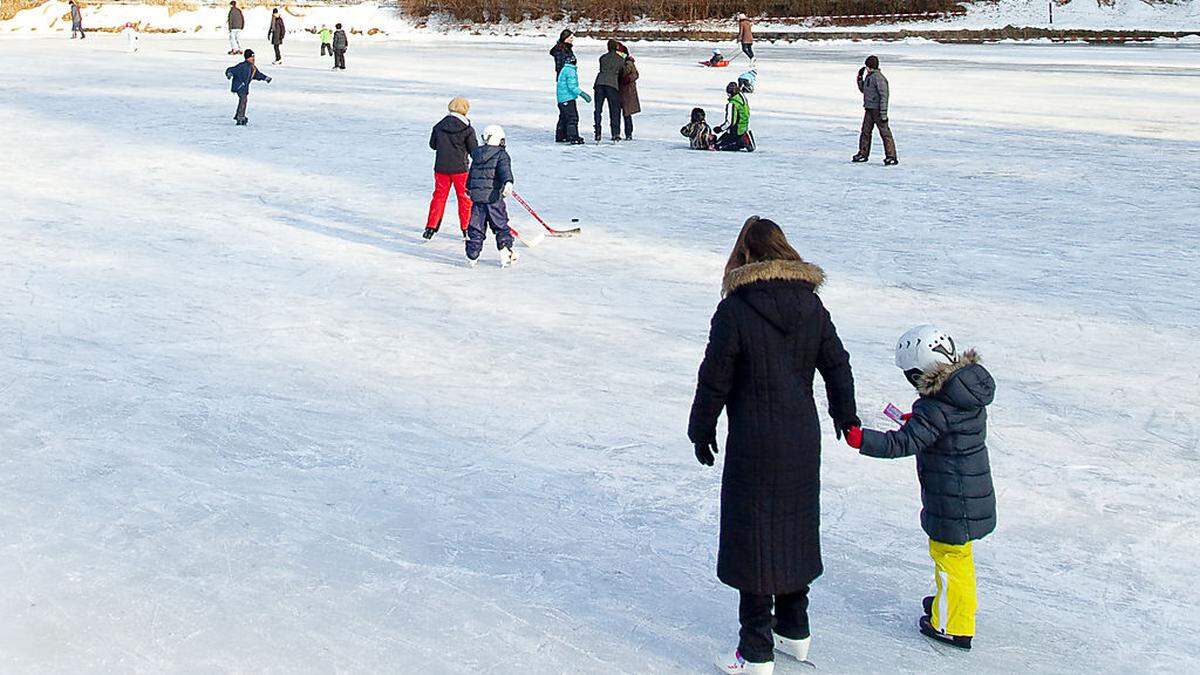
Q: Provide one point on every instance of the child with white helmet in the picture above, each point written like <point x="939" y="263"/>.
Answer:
<point x="488" y="183"/>
<point x="947" y="431"/>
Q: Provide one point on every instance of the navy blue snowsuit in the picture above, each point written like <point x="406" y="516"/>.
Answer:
<point x="491" y="169"/>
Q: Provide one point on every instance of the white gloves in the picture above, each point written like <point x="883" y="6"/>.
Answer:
<point x="508" y="190"/>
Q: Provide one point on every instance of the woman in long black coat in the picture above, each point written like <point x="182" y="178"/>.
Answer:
<point x="770" y="335"/>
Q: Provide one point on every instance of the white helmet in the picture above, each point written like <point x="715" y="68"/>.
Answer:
<point x="493" y="134"/>
<point x="924" y="348"/>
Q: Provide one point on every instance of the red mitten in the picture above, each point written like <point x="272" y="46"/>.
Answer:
<point x="854" y="437"/>
<point x="906" y="416"/>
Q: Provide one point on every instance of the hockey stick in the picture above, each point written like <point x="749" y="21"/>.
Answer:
<point x="553" y="232"/>
<point x="528" y="241"/>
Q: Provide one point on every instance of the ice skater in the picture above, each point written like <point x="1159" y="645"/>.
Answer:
<point x="275" y="34"/>
<point x="340" y="45"/>
<point x="326" y="36"/>
<point x="76" y="21"/>
<point x="131" y="37"/>
<point x="631" y="103"/>
<point x="874" y="88"/>
<point x="746" y="35"/>
<point x="946" y="430"/>
<point x="453" y="139"/>
<point x="734" y="133"/>
<point x="489" y="182"/>
<point x="241" y="76"/>
<point x="568" y="112"/>
<point x="235" y="22"/>
<point x="608" y="90"/>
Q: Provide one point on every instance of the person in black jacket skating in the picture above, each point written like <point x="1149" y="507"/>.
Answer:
<point x="770" y="335"/>
<point x="275" y="34"/>
<point x="453" y="138"/>
<point x="340" y="45"/>
<point x="489" y="182"/>
<point x="241" y="76"/>
<point x="947" y="431"/>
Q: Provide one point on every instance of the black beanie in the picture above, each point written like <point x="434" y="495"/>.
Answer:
<point x="873" y="61"/>
<point x="248" y="53"/>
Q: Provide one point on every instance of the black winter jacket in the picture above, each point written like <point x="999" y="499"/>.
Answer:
<point x="769" y="337"/>
<point x="563" y="54"/>
<point x="340" y="42"/>
<point x="491" y="168"/>
<point x="948" y="433"/>
<point x="454" y="140"/>
<point x="611" y="65"/>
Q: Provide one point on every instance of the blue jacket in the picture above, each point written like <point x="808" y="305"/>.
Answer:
<point x="491" y="168"/>
<point x="568" y="83"/>
<point x="242" y="74"/>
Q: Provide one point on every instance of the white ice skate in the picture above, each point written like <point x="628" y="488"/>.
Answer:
<point x="739" y="666"/>
<point x="472" y="263"/>
<point x="797" y="649"/>
<point x="508" y="257"/>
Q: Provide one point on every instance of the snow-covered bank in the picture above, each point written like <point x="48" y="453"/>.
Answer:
<point x="385" y="20"/>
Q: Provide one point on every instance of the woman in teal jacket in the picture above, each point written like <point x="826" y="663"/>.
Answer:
<point x="568" y="112"/>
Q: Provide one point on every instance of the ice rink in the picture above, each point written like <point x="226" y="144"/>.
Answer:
<point x="247" y="423"/>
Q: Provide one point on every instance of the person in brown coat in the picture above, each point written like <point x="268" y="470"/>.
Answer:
<point x="630" y="103"/>
<point x="745" y="34"/>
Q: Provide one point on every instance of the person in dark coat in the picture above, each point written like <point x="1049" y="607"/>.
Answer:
<point x="563" y="52"/>
<point x="275" y="34"/>
<point x="235" y="22"/>
<point x="76" y="21"/>
<point x="874" y="88"/>
<point x="489" y="182"/>
<point x="340" y="45"/>
<point x="241" y="76"/>
<point x="630" y="103"/>
<point x="608" y="90"/>
<point x="947" y="431"/>
<point x="770" y="335"/>
<point x="453" y="138"/>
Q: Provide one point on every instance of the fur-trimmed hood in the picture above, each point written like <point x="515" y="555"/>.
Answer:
<point x="770" y="270"/>
<point x="964" y="384"/>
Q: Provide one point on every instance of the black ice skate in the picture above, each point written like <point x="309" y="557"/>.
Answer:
<point x="859" y="158"/>
<point x="960" y="641"/>
<point x="890" y="161"/>
<point x="428" y="233"/>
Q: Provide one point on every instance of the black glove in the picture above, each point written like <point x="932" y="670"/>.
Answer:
<point x="268" y="80"/>
<point x="705" y="452"/>
<point x="841" y="427"/>
<point x="717" y="129"/>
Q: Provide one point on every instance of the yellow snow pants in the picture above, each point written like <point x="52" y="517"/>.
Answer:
<point x="954" y="604"/>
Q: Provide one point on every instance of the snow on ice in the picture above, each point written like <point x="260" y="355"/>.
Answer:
<point x="249" y="424"/>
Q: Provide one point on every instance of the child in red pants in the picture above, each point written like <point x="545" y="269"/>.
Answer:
<point x="454" y="140"/>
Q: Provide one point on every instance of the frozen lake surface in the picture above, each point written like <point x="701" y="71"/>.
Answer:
<point x="249" y="424"/>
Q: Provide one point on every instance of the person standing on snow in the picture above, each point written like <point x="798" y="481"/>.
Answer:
<point x="736" y="127"/>
<point x="453" y="138"/>
<point x="242" y="75"/>
<point x="874" y="88"/>
<point x="568" y="113"/>
<point x="340" y="45"/>
<point x="770" y="335"/>
<point x="946" y="430"/>
<point x="746" y="35"/>
<point x="235" y="22"/>
<point x="630" y="103"/>
<point x="76" y="21"/>
<point x="489" y="182"/>
<point x="608" y="89"/>
<point x="275" y="34"/>
<point x="563" y="53"/>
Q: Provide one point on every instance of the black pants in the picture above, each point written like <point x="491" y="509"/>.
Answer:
<point x="733" y="142"/>
<point x="613" y="96"/>
<point x="790" y="620"/>
<point x="748" y="48"/>
<point x="568" y="121"/>
<point x="871" y="119"/>
<point x="339" y="59"/>
<point x="241" y="109"/>
<point x="278" y="56"/>
<point x="326" y="48"/>
<point x="629" y="126"/>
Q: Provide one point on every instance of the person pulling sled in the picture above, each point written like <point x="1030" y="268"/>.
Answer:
<point x="734" y="132"/>
<point x="489" y="182"/>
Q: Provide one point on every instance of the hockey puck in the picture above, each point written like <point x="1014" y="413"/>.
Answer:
<point x="574" y="220"/>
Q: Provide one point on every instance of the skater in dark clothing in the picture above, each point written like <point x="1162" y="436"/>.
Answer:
<point x="746" y="35"/>
<point x="275" y="34"/>
<point x="489" y="182"/>
<point x="699" y="134"/>
<point x="631" y="104"/>
<point x="608" y="90"/>
<point x="568" y="113"/>
<point x="735" y="131"/>
<point x="76" y="21"/>
<point x="242" y="75"/>
<point x="874" y="88"/>
<point x="235" y="22"/>
<point x="453" y="138"/>
<point x="770" y="335"/>
<point x="564" y="53"/>
<point x="947" y="431"/>
<point x="340" y="45"/>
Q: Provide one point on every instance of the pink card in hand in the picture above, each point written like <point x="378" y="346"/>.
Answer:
<point x="895" y="413"/>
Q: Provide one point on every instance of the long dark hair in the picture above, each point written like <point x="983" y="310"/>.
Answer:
<point x="760" y="240"/>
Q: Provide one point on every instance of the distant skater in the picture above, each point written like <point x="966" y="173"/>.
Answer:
<point x="340" y="45"/>
<point x="326" y="36"/>
<point x="275" y="34"/>
<point x="746" y="35"/>
<point x="235" y="22"/>
<point x="631" y="104"/>
<point x="608" y="90"/>
<point x="874" y="88"/>
<point x="131" y="37"/>
<point x="76" y="21"/>
<point x="563" y="54"/>
<point x="453" y="139"/>
<point x="568" y="112"/>
<point x="242" y="75"/>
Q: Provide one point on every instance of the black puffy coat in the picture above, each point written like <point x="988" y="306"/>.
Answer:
<point x="454" y="140"/>
<point x="491" y="168"/>
<point x="563" y="54"/>
<point x="769" y="336"/>
<point x="948" y="434"/>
